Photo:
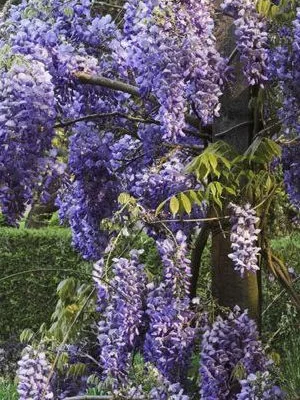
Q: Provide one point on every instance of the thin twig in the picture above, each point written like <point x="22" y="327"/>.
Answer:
<point x="232" y="55"/>
<point x="90" y="397"/>
<point x="188" y="220"/>
<point x="267" y="198"/>
<point x="277" y="297"/>
<point x="224" y="133"/>
<point x="103" y="3"/>
<point x="99" y="80"/>
<point x="91" y="117"/>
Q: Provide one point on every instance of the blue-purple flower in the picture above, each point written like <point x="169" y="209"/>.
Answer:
<point x="33" y="376"/>
<point x="243" y="237"/>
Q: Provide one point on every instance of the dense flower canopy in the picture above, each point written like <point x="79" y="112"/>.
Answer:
<point x="168" y="49"/>
<point x="120" y="106"/>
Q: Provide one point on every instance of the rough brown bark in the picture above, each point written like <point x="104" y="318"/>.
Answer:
<point x="227" y="286"/>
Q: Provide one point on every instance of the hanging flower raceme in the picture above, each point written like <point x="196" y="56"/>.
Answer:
<point x="121" y="303"/>
<point x="170" y="337"/>
<point x="252" y="39"/>
<point x="28" y="114"/>
<point x="229" y="345"/>
<point x="172" y="50"/>
<point x="243" y="238"/>
<point x="33" y="376"/>
<point x="259" y="386"/>
<point x="92" y="194"/>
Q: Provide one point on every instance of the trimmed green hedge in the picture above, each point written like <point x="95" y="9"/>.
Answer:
<point x="27" y="299"/>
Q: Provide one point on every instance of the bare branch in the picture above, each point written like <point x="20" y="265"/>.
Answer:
<point x="99" y="80"/>
<point x="120" y="86"/>
<point x="232" y="55"/>
<point x="104" y="4"/>
<point x="91" y="117"/>
<point x="87" y="397"/>
<point x="224" y="133"/>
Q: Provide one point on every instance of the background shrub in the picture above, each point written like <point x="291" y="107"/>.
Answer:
<point x="28" y="299"/>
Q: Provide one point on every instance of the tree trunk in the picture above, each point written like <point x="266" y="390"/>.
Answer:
<point x="227" y="285"/>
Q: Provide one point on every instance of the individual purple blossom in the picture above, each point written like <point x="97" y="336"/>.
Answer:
<point x="33" y="376"/>
<point x="243" y="238"/>
<point x="229" y="344"/>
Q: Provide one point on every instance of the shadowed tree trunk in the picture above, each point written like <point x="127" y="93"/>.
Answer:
<point x="227" y="285"/>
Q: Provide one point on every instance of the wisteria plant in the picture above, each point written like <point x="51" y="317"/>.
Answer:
<point x="140" y="92"/>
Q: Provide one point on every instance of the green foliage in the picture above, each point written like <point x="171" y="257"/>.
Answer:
<point x="8" y="391"/>
<point x="290" y="366"/>
<point x="267" y="8"/>
<point x="280" y="318"/>
<point x="54" y="220"/>
<point x="28" y="298"/>
<point x="76" y="303"/>
<point x="225" y="175"/>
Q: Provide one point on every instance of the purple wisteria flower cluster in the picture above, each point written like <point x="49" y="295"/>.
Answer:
<point x="252" y="39"/>
<point x="231" y="344"/>
<point x="26" y="130"/>
<point x="92" y="194"/>
<point x="152" y="319"/>
<point x="33" y="376"/>
<point x="243" y="237"/>
<point x="259" y="386"/>
<point x="164" y="390"/>
<point x="172" y="51"/>
<point x="38" y="58"/>
<point x="170" y="338"/>
<point x="62" y="39"/>
<point x="291" y="171"/>
<point x="285" y="70"/>
<point x="122" y="307"/>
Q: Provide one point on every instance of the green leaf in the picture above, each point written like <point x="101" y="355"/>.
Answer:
<point x="26" y="336"/>
<point x="174" y="205"/>
<point x="160" y="207"/>
<point x="62" y="360"/>
<point x="77" y="370"/>
<point x="219" y="188"/>
<point x="196" y="197"/>
<point x="269" y="183"/>
<point x="230" y="190"/>
<point x="66" y="288"/>
<point x="213" y="162"/>
<point x="185" y="202"/>
<point x="263" y="7"/>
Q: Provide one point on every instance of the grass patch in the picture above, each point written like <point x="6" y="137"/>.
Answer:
<point x="8" y="391"/>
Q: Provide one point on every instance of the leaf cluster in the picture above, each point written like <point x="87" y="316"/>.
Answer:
<point x="224" y="175"/>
